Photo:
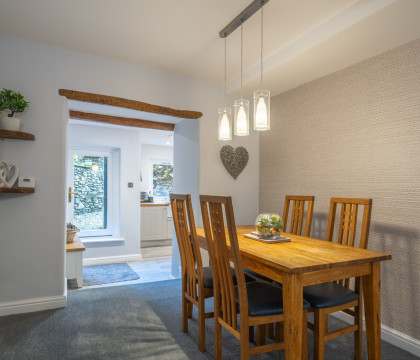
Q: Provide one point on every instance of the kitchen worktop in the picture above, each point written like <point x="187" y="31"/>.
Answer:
<point x="154" y="204"/>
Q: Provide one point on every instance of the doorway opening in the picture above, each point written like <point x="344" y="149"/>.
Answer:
<point x="118" y="113"/>
<point x="156" y="185"/>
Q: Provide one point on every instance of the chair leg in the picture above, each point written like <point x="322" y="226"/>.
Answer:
<point x="217" y="339"/>
<point x="279" y="332"/>
<point x="358" y="334"/>
<point x="304" y="337"/>
<point x="201" y="326"/>
<point x="320" y="326"/>
<point x="190" y="309"/>
<point x="270" y="331"/>
<point x="184" y="314"/>
<point x="251" y="334"/>
<point x="244" y="339"/>
<point x="260" y="338"/>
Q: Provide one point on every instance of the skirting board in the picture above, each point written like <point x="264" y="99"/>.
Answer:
<point x="32" y="305"/>
<point x="111" y="260"/>
<point x="392" y="336"/>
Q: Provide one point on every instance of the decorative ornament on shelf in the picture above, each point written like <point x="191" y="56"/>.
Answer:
<point x="234" y="160"/>
<point x="269" y="226"/>
<point x="15" y="102"/>
<point x="8" y="174"/>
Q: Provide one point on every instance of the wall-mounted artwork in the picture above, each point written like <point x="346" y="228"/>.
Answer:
<point x="234" y="159"/>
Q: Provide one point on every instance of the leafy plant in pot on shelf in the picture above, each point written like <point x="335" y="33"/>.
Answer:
<point x="15" y="103"/>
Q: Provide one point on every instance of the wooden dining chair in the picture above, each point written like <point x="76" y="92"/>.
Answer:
<point x="197" y="281"/>
<point x="327" y="298"/>
<point x="256" y="303"/>
<point x="297" y="214"/>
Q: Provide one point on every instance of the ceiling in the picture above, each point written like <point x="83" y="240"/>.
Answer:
<point x="303" y="39"/>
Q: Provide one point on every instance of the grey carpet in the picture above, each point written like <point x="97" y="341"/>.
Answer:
<point x="141" y="321"/>
<point x="105" y="274"/>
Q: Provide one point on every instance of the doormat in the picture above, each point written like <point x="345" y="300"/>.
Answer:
<point x="106" y="274"/>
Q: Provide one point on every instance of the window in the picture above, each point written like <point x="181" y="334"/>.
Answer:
<point x="94" y="179"/>
<point x="163" y="178"/>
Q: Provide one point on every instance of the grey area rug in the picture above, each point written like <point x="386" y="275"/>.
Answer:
<point x="140" y="321"/>
<point x="105" y="274"/>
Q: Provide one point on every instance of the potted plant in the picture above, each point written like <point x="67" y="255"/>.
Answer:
<point x="15" y="102"/>
<point x="269" y="226"/>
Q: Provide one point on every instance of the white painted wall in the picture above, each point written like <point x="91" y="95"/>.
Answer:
<point x="148" y="154"/>
<point x="186" y="155"/>
<point x="214" y="178"/>
<point x="128" y="142"/>
<point x="32" y="227"/>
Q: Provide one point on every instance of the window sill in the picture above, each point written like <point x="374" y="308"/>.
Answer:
<point x="101" y="240"/>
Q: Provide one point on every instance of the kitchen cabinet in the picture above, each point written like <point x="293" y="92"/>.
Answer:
<point x="154" y="222"/>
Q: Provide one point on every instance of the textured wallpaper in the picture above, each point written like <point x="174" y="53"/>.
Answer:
<point x="356" y="133"/>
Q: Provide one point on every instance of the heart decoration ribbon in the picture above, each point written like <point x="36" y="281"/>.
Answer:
<point x="233" y="159"/>
<point x="8" y="174"/>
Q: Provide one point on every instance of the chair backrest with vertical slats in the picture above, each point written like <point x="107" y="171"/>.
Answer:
<point x="348" y="221"/>
<point x="297" y="214"/>
<point x="186" y="234"/>
<point x="224" y="290"/>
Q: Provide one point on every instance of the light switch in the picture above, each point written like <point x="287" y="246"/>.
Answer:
<point x="130" y="185"/>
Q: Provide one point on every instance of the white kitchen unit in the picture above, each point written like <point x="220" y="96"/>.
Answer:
<point x="154" y="222"/>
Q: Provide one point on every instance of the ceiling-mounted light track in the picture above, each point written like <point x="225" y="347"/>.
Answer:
<point x="250" y="10"/>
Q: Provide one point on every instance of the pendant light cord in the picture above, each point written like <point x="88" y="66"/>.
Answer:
<point x="262" y="30"/>
<point x="225" y="72"/>
<point x="242" y="37"/>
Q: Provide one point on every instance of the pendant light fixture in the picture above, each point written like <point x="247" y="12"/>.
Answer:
<point x="262" y="97"/>
<point x="225" y="116"/>
<point x="241" y="107"/>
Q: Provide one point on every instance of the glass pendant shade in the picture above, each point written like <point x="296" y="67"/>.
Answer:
<point x="261" y="110"/>
<point x="225" y="123"/>
<point x="241" y="107"/>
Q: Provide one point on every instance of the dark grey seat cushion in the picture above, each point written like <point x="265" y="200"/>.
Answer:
<point x="264" y="299"/>
<point x="327" y="295"/>
<point x="208" y="277"/>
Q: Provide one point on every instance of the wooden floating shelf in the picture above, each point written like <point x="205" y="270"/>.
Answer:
<point x="22" y="190"/>
<point x="19" y="135"/>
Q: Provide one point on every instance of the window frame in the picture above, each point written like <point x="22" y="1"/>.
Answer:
<point x="158" y="161"/>
<point x="112" y="191"/>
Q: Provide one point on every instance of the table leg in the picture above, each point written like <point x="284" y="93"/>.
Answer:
<point x="372" y="296"/>
<point x="293" y="316"/>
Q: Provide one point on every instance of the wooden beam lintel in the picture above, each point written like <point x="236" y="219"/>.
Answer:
<point x="129" y="104"/>
<point x="117" y="120"/>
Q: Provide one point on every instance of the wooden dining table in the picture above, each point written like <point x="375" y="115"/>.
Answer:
<point x="305" y="261"/>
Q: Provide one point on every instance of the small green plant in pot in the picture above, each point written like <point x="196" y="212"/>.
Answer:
<point x="15" y="103"/>
<point x="269" y="226"/>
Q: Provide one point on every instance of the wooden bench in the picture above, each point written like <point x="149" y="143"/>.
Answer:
<point x="74" y="261"/>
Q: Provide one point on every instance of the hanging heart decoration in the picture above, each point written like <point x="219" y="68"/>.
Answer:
<point x="8" y="174"/>
<point x="234" y="160"/>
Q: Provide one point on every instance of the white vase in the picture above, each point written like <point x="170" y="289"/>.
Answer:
<point x="10" y="123"/>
